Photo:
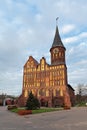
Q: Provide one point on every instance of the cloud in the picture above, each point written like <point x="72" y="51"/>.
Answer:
<point x="12" y="81"/>
<point x="77" y="52"/>
<point x="70" y="39"/>
<point x="83" y="35"/>
<point x="77" y="38"/>
<point x="76" y="75"/>
<point x="67" y="28"/>
<point x="72" y="10"/>
<point x="77" y="64"/>
<point x="81" y="63"/>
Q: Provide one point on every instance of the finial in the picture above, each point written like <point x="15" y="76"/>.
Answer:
<point x="57" y="21"/>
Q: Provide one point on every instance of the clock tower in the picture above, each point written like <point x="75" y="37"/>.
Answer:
<point x="57" y="50"/>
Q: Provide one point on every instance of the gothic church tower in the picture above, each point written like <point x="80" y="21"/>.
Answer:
<point x="58" y="59"/>
<point x="57" y="50"/>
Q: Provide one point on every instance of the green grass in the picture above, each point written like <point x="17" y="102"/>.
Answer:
<point x="17" y="109"/>
<point x="41" y="110"/>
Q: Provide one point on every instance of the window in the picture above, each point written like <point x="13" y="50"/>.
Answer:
<point x="57" y="93"/>
<point x="47" y="93"/>
<point x="25" y="93"/>
<point x="59" y="54"/>
<point x="42" y="92"/>
<point x="54" y="92"/>
<point x="60" y="82"/>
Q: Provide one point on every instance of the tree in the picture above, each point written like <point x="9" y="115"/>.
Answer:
<point x="32" y="102"/>
<point x="81" y="97"/>
<point x="82" y="89"/>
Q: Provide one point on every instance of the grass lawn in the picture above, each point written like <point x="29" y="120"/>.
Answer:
<point x="41" y="110"/>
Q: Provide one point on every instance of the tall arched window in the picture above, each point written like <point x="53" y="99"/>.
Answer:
<point x="26" y="93"/>
<point x="57" y="92"/>
<point x="47" y="93"/>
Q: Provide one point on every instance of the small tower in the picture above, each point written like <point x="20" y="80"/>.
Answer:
<point x="57" y="50"/>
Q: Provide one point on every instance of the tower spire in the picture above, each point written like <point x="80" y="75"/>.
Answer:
<point x="57" y="40"/>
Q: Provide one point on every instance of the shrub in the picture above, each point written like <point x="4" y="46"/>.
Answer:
<point x="82" y="104"/>
<point x="32" y="102"/>
<point x="24" y="112"/>
<point x="10" y="107"/>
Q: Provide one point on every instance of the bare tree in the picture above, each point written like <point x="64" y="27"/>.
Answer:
<point x="81" y="97"/>
<point x="80" y="89"/>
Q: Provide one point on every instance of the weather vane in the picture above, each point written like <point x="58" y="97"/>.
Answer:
<point x="57" y="20"/>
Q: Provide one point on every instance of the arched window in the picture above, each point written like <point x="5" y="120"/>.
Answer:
<point x="54" y="92"/>
<point x="26" y="93"/>
<point x="47" y="93"/>
<point x="57" y="92"/>
<point x="42" y="92"/>
<point x="59" y="54"/>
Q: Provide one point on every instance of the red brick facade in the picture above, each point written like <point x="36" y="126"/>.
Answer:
<point x="48" y="82"/>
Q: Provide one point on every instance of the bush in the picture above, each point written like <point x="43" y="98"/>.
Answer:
<point x="81" y="104"/>
<point x="32" y="102"/>
<point x="10" y="107"/>
<point x="24" y="112"/>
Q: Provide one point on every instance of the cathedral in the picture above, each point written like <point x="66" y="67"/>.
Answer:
<point x="48" y="82"/>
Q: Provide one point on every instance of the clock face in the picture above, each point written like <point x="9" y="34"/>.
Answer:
<point x="56" y="50"/>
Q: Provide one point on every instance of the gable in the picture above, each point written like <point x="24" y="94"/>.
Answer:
<point x="31" y="63"/>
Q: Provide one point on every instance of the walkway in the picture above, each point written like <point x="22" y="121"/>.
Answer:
<point x="74" y="119"/>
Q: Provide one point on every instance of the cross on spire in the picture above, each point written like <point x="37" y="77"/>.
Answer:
<point x="57" y="21"/>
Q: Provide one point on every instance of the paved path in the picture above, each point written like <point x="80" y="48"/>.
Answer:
<point x="74" y="119"/>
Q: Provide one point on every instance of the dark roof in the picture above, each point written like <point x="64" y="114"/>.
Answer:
<point x="69" y="86"/>
<point x="36" y="62"/>
<point x="57" y="40"/>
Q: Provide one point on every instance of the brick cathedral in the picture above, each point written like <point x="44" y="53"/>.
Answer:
<point x="48" y="82"/>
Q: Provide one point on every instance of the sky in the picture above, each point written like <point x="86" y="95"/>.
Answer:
<point x="27" y="27"/>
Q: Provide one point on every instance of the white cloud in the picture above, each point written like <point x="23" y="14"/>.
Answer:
<point x="82" y="63"/>
<point x="11" y="81"/>
<point x="77" y="38"/>
<point x="70" y="39"/>
<point x="78" y="76"/>
<point x="72" y="10"/>
<point x="77" y="52"/>
<point x="67" y="28"/>
<point x="83" y="35"/>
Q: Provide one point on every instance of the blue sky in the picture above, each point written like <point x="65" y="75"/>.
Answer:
<point x="28" y="28"/>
